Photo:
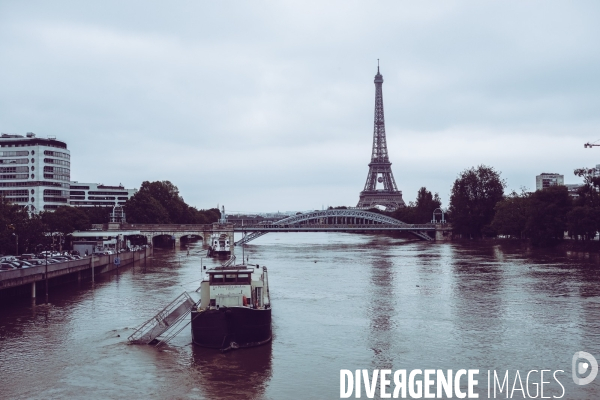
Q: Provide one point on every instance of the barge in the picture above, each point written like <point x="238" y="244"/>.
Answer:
<point x="234" y="309"/>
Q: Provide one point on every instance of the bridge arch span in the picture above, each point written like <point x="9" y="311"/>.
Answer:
<point x="191" y="237"/>
<point x="340" y="216"/>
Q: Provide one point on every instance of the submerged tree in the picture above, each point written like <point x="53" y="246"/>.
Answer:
<point x="473" y="198"/>
<point x="583" y="222"/>
<point x="511" y="215"/>
<point x="547" y="221"/>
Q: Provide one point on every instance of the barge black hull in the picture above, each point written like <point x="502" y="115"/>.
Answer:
<point x="231" y="327"/>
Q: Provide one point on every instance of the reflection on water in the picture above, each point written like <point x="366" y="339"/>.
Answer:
<point x="236" y="374"/>
<point x="340" y="301"/>
<point x="380" y="309"/>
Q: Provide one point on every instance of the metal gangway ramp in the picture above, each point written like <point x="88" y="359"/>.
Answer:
<point x="165" y="319"/>
<point x="229" y="262"/>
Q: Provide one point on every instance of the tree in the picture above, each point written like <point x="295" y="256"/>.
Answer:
<point x="425" y="205"/>
<point x="420" y="211"/>
<point x="547" y="220"/>
<point x="405" y="214"/>
<point x="14" y="221"/>
<point x="583" y="221"/>
<point x="65" y="220"/>
<point x="145" y="209"/>
<point x="97" y="214"/>
<point x="511" y="215"/>
<point x="167" y="195"/>
<point x="160" y="203"/>
<point x="473" y="198"/>
<point x="31" y="233"/>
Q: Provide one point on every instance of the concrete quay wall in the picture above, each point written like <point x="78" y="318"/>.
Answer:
<point x="14" y="283"/>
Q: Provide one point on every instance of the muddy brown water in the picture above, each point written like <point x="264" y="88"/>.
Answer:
<point x="340" y="301"/>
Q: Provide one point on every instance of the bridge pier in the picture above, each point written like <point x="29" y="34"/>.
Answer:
<point x="443" y="232"/>
<point x="33" y="290"/>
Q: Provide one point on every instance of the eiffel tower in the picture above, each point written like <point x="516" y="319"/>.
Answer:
<point x="380" y="167"/>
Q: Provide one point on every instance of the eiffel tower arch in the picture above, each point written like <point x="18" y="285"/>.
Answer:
<point x="380" y="167"/>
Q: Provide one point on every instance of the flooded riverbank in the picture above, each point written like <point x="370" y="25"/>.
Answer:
<point x="340" y="301"/>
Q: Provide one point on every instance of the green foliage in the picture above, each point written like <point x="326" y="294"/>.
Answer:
<point x="588" y="193"/>
<point x="160" y="203"/>
<point x="97" y="214"/>
<point x="156" y="202"/>
<point x="14" y="220"/>
<point x="473" y="198"/>
<point x="421" y="211"/>
<point x="583" y="221"/>
<point x="511" y="215"/>
<point x="425" y="204"/>
<point x="144" y="209"/>
<point x="548" y="209"/>
<point x="65" y="220"/>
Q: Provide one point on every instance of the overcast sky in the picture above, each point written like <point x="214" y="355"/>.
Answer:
<point x="265" y="105"/>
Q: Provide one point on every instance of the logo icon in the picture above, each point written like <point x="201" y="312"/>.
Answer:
<point x="579" y="367"/>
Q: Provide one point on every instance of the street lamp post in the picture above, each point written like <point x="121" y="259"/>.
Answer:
<point x="46" y="276"/>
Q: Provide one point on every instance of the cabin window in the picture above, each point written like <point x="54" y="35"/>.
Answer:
<point x="230" y="278"/>
<point x="217" y="278"/>
<point x="244" y="278"/>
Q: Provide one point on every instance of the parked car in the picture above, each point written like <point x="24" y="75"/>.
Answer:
<point x="26" y="256"/>
<point x="26" y="264"/>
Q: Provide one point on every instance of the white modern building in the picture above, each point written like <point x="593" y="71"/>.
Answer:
<point x="34" y="172"/>
<point x="98" y="194"/>
<point x="573" y="188"/>
<point x="546" y="179"/>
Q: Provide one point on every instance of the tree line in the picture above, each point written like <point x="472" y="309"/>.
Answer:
<point x="479" y="208"/>
<point x="155" y="202"/>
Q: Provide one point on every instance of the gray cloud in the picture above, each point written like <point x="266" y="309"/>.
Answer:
<point x="269" y="105"/>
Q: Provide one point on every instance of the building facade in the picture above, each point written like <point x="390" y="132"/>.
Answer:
<point x="546" y="179"/>
<point x="34" y="172"/>
<point x="573" y="189"/>
<point x="98" y="195"/>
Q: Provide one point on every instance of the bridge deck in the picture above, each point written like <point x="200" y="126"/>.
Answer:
<point x="335" y="228"/>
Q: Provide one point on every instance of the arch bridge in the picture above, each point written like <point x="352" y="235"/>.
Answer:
<point x="181" y="231"/>
<point x="341" y="220"/>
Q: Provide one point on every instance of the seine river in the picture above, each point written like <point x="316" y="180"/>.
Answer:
<point x="340" y="301"/>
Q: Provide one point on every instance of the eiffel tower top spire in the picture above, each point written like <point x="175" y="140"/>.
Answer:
<point x="380" y="153"/>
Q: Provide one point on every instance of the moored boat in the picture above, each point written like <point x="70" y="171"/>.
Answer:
<point x="219" y="245"/>
<point x="234" y="309"/>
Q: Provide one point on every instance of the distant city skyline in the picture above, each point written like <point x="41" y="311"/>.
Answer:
<point x="269" y="106"/>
